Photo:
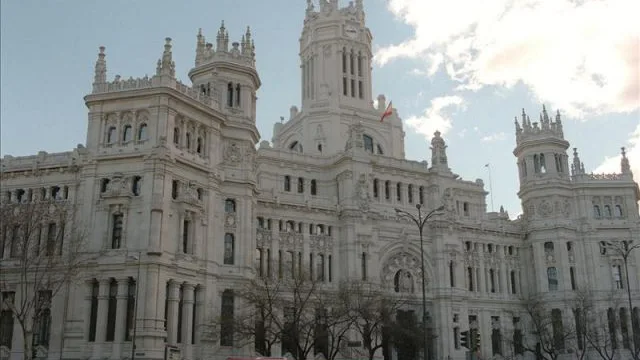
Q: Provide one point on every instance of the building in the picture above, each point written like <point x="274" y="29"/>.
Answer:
<point x="182" y="197"/>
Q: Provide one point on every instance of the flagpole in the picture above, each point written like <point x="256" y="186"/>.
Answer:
<point x="488" y="166"/>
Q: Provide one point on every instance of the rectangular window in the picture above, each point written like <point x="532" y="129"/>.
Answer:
<point x="364" y="266"/>
<point x="344" y="86"/>
<point x="320" y="269"/>
<point x="360" y="90"/>
<point x="452" y="274"/>
<point x="353" y="88"/>
<point x="470" y="278"/>
<point x="227" y="317"/>
<point x="6" y="319"/>
<point x="51" y="238"/>
<point x="330" y="267"/>
<point x="93" y="317"/>
<point x="186" y="234"/>
<point x="572" y="274"/>
<point x="131" y="303"/>
<point x="111" y="311"/>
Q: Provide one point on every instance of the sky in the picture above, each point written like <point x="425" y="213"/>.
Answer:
<point x="463" y="67"/>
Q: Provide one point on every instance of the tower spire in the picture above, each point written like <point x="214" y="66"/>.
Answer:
<point x="577" y="168"/>
<point x="100" y="76"/>
<point x="200" y="47"/>
<point x="166" y="64"/>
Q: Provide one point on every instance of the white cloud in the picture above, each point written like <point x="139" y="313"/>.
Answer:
<point x="436" y="117"/>
<point x="494" y="137"/>
<point x="580" y="56"/>
<point x="611" y="164"/>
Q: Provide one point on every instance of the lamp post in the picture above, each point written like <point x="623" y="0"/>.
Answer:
<point x="624" y="249"/>
<point x="135" y="308"/>
<point x="420" y="222"/>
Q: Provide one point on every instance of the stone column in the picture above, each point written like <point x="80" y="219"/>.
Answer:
<point x="101" y="323"/>
<point x="187" y="319"/>
<point x="200" y="295"/>
<point x="121" y="316"/>
<point x="172" y="313"/>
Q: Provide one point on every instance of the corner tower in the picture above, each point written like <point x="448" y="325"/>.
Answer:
<point x="228" y="73"/>
<point x="335" y="56"/>
<point x="543" y="163"/>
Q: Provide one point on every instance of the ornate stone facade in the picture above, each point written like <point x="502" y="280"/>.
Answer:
<point x="174" y="170"/>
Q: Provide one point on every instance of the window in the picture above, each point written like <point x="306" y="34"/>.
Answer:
<point x="470" y="278"/>
<point x="513" y="282"/>
<point x="229" y="94"/>
<point x="344" y="86"/>
<point x="300" y="185"/>
<point x="452" y="274"/>
<point x="376" y="186"/>
<point x="548" y="247"/>
<point x="379" y="148"/>
<point x="496" y="336"/>
<point x="364" y="266"/>
<point x="93" y="317"/>
<point x="518" y="343"/>
<point x="344" y="60"/>
<point x="112" y="303"/>
<point x="572" y="275"/>
<point x="421" y="195"/>
<point x="314" y="187"/>
<point x="116" y="230"/>
<point x="227" y="317"/>
<point x="399" y="192"/>
<point x="607" y="211"/>
<point x="368" y="143"/>
<point x="199" y="145"/>
<point x="611" y="319"/>
<point x="229" y="249"/>
<point x="579" y="323"/>
<point x="558" y="328"/>
<point x="618" y="211"/>
<point x="51" y="239"/>
<point x="596" y="211"/>
<point x="127" y="134"/>
<point x="287" y="183"/>
<point x="617" y="276"/>
<point x="456" y="337"/>
<point x="42" y="323"/>
<point x="552" y="278"/>
<point x="353" y="88"/>
<point x="136" y="185"/>
<point x="492" y="280"/>
<point x="131" y="305"/>
<point x="176" y="135"/>
<point x="569" y="246"/>
<point x="229" y="206"/>
<point x="320" y="268"/>
<point x="6" y="319"/>
<point x="360" y="90"/>
<point x="259" y="262"/>
<point x="410" y="193"/>
<point x="186" y="236"/>
<point x="329" y="266"/>
<point x="558" y="160"/>
<point x="387" y="191"/>
<point x="174" y="189"/>
<point x="187" y="139"/>
<point x="624" y="329"/>
<point x="238" y="95"/>
<point x="111" y="135"/>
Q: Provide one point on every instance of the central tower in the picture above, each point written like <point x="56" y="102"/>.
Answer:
<point x="335" y="56"/>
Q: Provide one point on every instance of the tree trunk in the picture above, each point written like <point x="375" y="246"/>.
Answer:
<point x="27" y="336"/>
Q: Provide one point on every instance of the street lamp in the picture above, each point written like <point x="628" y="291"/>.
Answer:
<point x="420" y="222"/>
<point x="135" y="307"/>
<point x="624" y="249"/>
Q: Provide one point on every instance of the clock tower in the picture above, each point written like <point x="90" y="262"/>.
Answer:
<point x="335" y="56"/>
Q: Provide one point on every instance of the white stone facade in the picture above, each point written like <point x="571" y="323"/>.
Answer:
<point x="175" y="168"/>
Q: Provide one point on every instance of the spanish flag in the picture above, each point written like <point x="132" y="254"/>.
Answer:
<point x="388" y="111"/>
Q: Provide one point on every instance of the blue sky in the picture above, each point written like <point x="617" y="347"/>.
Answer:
<point x="466" y="73"/>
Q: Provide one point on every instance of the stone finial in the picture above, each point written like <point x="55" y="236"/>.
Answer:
<point x="625" y="168"/>
<point x="166" y="64"/>
<point x="577" y="168"/>
<point x="100" y="76"/>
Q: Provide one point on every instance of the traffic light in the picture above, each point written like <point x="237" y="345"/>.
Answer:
<point x="464" y="339"/>
<point x="476" y="340"/>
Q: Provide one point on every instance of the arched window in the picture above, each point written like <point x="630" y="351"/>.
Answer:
<point x="552" y="278"/>
<point x="176" y="135"/>
<point x="300" y="185"/>
<point x="229" y="206"/>
<point x="618" y="211"/>
<point x="399" y="191"/>
<point x="142" y="132"/>
<point x="188" y="141"/>
<point x="287" y="183"/>
<point x="227" y="316"/>
<point x="376" y="186"/>
<point x="314" y="187"/>
<point x="344" y="60"/>
<point x="543" y="166"/>
<point x="596" y="211"/>
<point x="116" y="230"/>
<point x="136" y="185"/>
<point x="410" y="193"/>
<point x="199" y="145"/>
<point x="127" y="133"/>
<point x="111" y="135"/>
<point x="230" y="94"/>
<point x="237" y="94"/>
<point x="607" y="211"/>
<point x="421" y="195"/>
<point x="229" y="249"/>
<point x="368" y="143"/>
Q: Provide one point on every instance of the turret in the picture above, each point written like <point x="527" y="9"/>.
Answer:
<point x="577" y="168"/>
<point x="100" y="77"/>
<point x="541" y="149"/>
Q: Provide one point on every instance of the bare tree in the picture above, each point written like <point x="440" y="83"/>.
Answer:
<point x="45" y="245"/>
<point x="596" y="326"/>
<point x="373" y="315"/>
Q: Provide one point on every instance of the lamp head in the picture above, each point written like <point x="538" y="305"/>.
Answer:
<point x="440" y="208"/>
<point x="418" y="206"/>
